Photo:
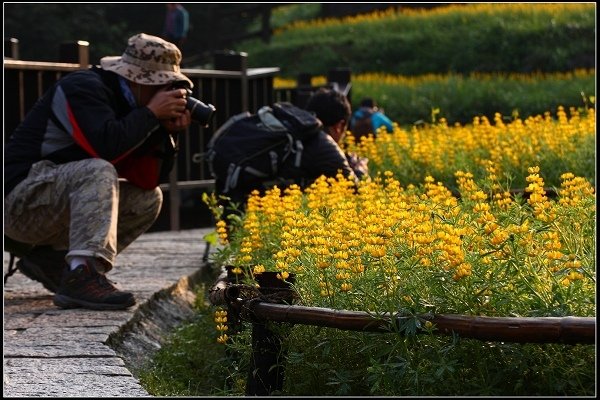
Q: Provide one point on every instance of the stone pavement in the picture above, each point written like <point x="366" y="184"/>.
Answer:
<point x="51" y="352"/>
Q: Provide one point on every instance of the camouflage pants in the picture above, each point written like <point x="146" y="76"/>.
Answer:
<point x="81" y="207"/>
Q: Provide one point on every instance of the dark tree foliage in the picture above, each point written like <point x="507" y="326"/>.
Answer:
<point x="42" y="27"/>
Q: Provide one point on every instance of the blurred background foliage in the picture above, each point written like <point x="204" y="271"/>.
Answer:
<point x="41" y="27"/>
<point x="404" y="38"/>
<point x="412" y="57"/>
<point x="487" y="37"/>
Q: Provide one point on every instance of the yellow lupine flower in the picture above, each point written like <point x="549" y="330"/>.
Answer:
<point x="222" y="339"/>
<point x="283" y="275"/>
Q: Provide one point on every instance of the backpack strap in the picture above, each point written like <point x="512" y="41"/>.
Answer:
<point x="256" y="172"/>
<point x="269" y="120"/>
<point x="233" y="172"/>
<point x="298" y="150"/>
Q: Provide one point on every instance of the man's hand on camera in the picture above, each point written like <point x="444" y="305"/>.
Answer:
<point x="177" y="124"/>
<point x="168" y="104"/>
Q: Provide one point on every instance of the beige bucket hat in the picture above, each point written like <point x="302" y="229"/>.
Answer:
<point x="147" y="60"/>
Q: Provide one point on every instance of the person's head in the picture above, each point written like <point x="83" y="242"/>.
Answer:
<point x="333" y="109"/>
<point x="368" y="102"/>
<point x="149" y="63"/>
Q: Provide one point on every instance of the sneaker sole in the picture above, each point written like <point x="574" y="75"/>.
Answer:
<point x="70" y="302"/>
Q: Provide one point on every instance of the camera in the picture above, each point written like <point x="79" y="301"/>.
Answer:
<point x="200" y="112"/>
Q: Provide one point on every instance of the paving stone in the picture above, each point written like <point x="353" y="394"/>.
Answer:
<point x="71" y="385"/>
<point x="103" y="365"/>
<point x="43" y="347"/>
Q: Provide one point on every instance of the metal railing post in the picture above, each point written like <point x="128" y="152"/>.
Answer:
<point x="232" y="61"/>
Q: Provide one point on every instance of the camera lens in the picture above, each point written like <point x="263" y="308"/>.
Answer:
<point x="200" y="112"/>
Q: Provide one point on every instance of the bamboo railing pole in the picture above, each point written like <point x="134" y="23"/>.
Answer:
<point x="569" y="330"/>
<point x="218" y="293"/>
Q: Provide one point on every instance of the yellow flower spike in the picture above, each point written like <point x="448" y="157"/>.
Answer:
<point x="222" y="339"/>
<point x="575" y="264"/>
<point x="358" y="268"/>
<point x="481" y="207"/>
<point x="489" y="228"/>
<point x="283" y="275"/>
<point x="258" y="269"/>
<point x="498" y="238"/>
<point x="245" y="260"/>
<point x="426" y="262"/>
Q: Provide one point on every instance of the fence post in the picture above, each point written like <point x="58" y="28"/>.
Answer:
<point x="303" y="90"/>
<point x="77" y="53"/>
<point x="266" y="370"/>
<point x="11" y="48"/>
<point x="304" y="80"/>
<point x="231" y="61"/>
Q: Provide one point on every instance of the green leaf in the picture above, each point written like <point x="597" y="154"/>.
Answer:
<point x="212" y="238"/>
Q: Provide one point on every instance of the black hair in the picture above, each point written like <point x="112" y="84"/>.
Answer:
<point x="330" y="106"/>
<point x="368" y="102"/>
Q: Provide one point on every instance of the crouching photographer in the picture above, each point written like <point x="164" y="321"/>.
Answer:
<point x="81" y="171"/>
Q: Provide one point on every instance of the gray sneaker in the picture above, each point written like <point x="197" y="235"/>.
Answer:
<point x="85" y="287"/>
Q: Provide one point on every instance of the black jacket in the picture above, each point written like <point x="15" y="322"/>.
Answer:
<point x="85" y="115"/>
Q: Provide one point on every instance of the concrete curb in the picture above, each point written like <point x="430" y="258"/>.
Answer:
<point x="138" y="339"/>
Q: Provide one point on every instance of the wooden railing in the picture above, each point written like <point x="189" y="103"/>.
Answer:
<point x="273" y="302"/>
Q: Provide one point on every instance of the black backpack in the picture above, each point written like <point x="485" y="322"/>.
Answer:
<point x="249" y="150"/>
